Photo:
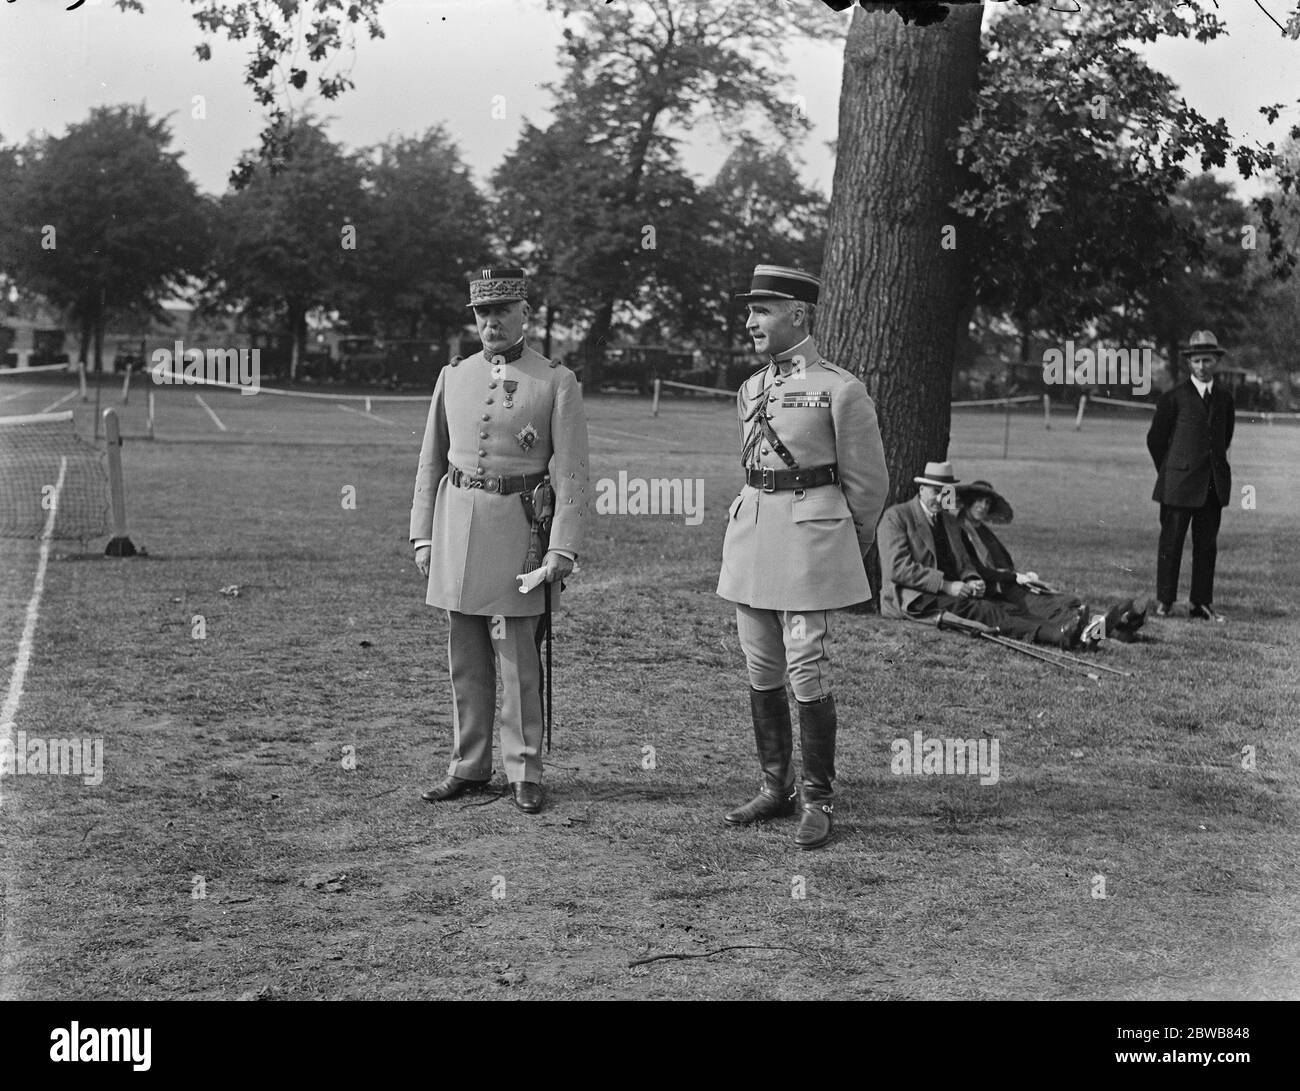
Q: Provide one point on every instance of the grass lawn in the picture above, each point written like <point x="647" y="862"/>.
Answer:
<point x="259" y="833"/>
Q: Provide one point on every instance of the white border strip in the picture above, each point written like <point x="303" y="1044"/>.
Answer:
<point x="38" y="418"/>
<point x="259" y="390"/>
<point x="39" y="369"/>
<point x="215" y="419"/>
<point x="65" y="398"/>
<point x="19" y="674"/>
<point x="370" y="416"/>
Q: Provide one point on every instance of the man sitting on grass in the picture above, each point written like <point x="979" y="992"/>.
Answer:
<point x="926" y="569"/>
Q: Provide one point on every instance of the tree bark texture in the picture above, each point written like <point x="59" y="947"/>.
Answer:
<point x="893" y="294"/>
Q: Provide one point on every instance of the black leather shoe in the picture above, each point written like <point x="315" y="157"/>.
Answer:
<point x="1068" y="633"/>
<point x="1204" y="612"/>
<point x="528" y="796"/>
<point x="767" y="804"/>
<point x="772" y="735"/>
<point x="1164" y="609"/>
<point x="452" y="787"/>
<point x="814" y="822"/>
<point x="818" y="726"/>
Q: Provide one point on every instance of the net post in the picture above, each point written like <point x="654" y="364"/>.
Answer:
<point x="367" y="403"/>
<point x="1078" y="418"/>
<point x="81" y="377"/>
<point x="151" y="435"/>
<point x="126" y="384"/>
<point x="119" y="545"/>
<point x="1047" y="412"/>
<point x="654" y="412"/>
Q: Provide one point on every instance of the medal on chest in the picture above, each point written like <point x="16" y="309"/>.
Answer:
<point x="510" y="385"/>
<point x="806" y="399"/>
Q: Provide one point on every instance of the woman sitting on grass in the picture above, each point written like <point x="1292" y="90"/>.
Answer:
<point x="979" y="504"/>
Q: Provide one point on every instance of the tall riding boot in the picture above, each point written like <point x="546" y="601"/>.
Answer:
<point x="817" y="726"/>
<point x="774" y="736"/>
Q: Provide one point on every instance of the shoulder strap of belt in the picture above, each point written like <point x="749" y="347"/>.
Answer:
<point x="760" y="429"/>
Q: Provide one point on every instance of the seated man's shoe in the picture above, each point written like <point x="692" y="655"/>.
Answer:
<point x="1204" y="612"/>
<point x="1068" y="633"/>
<point x="528" y="796"/>
<point x="1131" y="619"/>
<point x="767" y="804"/>
<point x="814" y="822"/>
<point x="1164" y="609"/>
<point x="451" y="787"/>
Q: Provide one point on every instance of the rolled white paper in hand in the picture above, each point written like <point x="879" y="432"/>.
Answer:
<point x="531" y="580"/>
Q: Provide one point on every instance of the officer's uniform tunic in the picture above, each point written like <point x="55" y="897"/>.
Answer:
<point x="506" y="415"/>
<point x="789" y="556"/>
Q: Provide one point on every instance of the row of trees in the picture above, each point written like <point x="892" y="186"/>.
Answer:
<point x="105" y="222"/>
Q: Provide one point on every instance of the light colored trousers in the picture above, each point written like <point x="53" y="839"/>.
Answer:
<point x="786" y="643"/>
<point x="475" y="646"/>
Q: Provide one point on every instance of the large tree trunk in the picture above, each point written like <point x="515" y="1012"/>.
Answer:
<point x="893" y="294"/>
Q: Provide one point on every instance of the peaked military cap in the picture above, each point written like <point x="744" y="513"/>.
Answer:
<point x="503" y="284"/>
<point x="781" y="282"/>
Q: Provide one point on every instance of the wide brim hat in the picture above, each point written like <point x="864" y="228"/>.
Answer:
<point x="999" y="510"/>
<point x="781" y="282"/>
<point x="937" y="474"/>
<point x="502" y="284"/>
<point x="1201" y="343"/>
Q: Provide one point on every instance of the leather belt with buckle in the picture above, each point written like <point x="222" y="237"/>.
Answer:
<point x="505" y="484"/>
<point x="783" y="480"/>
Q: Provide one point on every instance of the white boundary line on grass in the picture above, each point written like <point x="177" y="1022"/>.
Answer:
<point x="370" y="416"/>
<point x="18" y="676"/>
<point x="215" y="419"/>
<point x="35" y="418"/>
<point x="607" y="432"/>
<point x="55" y="405"/>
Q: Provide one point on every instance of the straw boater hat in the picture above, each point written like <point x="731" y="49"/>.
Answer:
<point x="999" y="511"/>
<point x="781" y="282"/>
<point x="1201" y="343"/>
<point x="500" y="285"/>
<point x="937" y="474"/>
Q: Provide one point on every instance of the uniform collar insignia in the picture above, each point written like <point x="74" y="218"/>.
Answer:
<point x="804" y="348"/>
<point x="509" y="355"/>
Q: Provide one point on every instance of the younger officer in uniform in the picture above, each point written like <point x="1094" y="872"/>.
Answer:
<point x="816" y="483"/>
<point x="502" y="422"/>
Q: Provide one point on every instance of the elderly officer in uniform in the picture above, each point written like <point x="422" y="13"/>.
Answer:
<point x="502" y="422"/>
<point x="815" y="484"/>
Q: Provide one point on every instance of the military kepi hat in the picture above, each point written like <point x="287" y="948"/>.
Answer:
<point x="781" y="282"/>
<point x="504" y="284"/>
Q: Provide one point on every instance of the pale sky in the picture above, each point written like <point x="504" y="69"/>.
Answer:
<point x="443" y="61"/>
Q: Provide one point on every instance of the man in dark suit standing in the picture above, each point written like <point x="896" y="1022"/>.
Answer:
<point x="1188" y="441"/>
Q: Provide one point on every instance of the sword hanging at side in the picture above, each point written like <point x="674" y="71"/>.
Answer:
<point x="539" y="506"/>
